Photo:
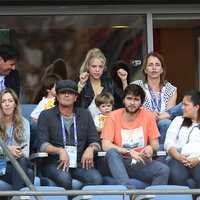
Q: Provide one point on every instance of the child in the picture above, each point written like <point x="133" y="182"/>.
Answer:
<point x="46" y="95"/>
<point x="104" y="102"/>
<point x="46" y="98"/>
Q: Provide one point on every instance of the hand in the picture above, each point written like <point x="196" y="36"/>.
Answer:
<point x="122" y="74"/>
<point x="192" y="162"/>
<point x="87" y="158"/>
<point x="156" y="114"/>
<point x="63" y="159"/>
<point x="137" y="156"/>
<point x="16" y="151"/>
<point x="84" y="77"/>
<point x="183" y="159"/>
<point x="147" y="152"/>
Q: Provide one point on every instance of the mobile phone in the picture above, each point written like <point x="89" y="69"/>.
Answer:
<point x="23" y="146"/>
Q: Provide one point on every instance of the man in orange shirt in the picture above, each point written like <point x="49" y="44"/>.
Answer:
<point x="125" y="138"/>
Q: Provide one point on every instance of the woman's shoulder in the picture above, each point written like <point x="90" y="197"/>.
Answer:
<point x="138" y="82"/>
<point x="169" y="86"/>
<point x="25" y="122"/>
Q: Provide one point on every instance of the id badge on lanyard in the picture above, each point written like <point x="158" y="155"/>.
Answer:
<point x="3" y="164"/>
<point x="71" y="150"/>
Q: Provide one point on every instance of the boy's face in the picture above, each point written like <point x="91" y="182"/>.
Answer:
<point x="105" y="108"/>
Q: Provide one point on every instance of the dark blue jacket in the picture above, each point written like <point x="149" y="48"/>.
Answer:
<point x="13" y="81"/>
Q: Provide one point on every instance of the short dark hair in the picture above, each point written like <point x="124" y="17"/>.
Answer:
<point x="9" y="52"/>
<point x="134" y="89"/>
<point x="104" y="98"/>
<point x="194" y="96"/>
<point x="47" y="82"/>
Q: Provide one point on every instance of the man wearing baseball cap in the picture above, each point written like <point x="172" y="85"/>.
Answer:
<point x="68" y="134"/>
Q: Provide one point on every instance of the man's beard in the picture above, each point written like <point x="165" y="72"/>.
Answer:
<point x="132" y="112"/>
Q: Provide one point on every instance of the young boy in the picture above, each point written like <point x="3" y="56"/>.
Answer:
<point x="105" y="103"/>
<point x="46" y="95"/>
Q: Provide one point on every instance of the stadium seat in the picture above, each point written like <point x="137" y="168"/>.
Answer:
<point x="103" y="197"/>
<point x="170" y="197"/>
<point x="47" y="197"/>
<point x="27" y="110"/>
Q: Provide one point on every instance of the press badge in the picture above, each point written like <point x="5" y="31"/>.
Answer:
<point x="72" y="152"/>
<point x="2" y="164"/>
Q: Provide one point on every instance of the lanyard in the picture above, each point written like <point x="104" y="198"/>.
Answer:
<point x="64" y="132"/>
<point x="11" y="134"/>
<point x="177" y="137"/>
<point x="153" y="100"/>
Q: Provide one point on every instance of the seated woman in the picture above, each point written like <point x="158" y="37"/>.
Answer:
<point x="160" y="94"/>
<point x="15" y="131"/>
<point x="183" y="140"/>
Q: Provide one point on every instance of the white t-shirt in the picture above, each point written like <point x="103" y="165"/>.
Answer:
<point x="44" y="104"/>
<point x="99" y="120"/>
<point x="93" y="109"/>
<point x="185" y="139"/>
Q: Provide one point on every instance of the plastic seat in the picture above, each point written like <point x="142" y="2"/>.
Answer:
<point x="107" y="180"/>
<point x="47" y="197"/>
<point x="106" y="187"/>
<point x="27" y="110"/>
<point x="170" y="197"/>
<point x="6" y="186"/>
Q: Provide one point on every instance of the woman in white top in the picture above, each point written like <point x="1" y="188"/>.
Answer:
<point x="183" y="142"/>
<point x="15" y="131"/>
<point x="160" y="94"/>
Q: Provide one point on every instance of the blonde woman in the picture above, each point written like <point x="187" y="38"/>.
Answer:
<point x="91" y="81"/>
<point x="160" y="94"/>
<point x="15" y="131"/>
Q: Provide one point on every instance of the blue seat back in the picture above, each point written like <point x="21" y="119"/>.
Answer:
<point x="27" y="110"/>
<point x="47" y="197"/>
<point x="170" y="197"/>
<point x="106" y="187"/>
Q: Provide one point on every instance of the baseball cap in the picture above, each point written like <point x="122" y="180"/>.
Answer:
<point x="66" y="85"/>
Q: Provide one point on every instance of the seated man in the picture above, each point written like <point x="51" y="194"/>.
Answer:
<point x="124" y="138"/>
<point x="68" y="134"/>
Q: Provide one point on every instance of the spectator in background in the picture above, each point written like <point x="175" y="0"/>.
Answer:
<point x="91" y="81"/>
<point x="46" y="97"/>
<point x="183" y="140"/>
<point x="15" y="131"/>
<point x="59" y="67"/>
<point x="104" y="102"/>
<point x="114" y="74"/>
<point x="160" y="94"/>
<point x="9" y="75"/>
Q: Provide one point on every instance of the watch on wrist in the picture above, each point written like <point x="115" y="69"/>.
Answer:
<point x="128" y="151"/>
<point x="94" y="148"/>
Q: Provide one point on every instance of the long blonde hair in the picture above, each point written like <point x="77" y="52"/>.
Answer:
<point x="17" y="118"/>
<point x="162" y="76"/>
<point x="92" y="54"/>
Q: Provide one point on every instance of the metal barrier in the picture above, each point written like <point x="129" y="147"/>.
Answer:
<point x="100" y="192"/>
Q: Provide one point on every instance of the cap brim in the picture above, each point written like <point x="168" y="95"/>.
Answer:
<point x="67" y="89"/>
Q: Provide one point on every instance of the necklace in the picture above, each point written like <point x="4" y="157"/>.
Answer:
<point x="67" y="115"/>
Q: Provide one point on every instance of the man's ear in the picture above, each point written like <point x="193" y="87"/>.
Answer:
<point x="1" y="60"/>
